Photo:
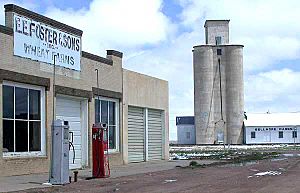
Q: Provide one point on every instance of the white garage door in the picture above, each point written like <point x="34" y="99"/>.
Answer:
<point x="136" y="134"/>
<point x="71" y="110"/>
<point x="155" y="134"/>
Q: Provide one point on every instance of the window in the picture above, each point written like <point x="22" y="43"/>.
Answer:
<point x="294" y="134"/>
<point x="252" y="134"/>
<point x="188" y="135"/>
<point x="107" y="111"/>
<point x="218" y="40"/>
<point x="219" y="52"/>
<point x="22" y="119"/>
<point x="280" y="134"/>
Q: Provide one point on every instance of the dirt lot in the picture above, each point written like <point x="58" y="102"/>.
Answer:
<point x="284" y="177"/>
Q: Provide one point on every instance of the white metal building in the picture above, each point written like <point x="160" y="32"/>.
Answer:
<point x="269" y="128"/>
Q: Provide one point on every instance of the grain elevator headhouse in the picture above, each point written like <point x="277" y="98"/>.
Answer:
<point x="218" y="87"/>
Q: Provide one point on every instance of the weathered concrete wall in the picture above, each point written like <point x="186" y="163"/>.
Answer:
<point x="211" y="120"/>
<point x="219" y="113"/>
<point x="148" y="92"/>
<point x="203" y="85"/>
<point x="234" y="93"/>
<point x="218" y="87"/>
<point x="215" y="28"/>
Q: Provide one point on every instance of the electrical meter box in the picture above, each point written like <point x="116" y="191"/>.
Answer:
<point x="60" y="153"/>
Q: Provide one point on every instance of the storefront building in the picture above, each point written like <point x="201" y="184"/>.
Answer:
<point x="134" y="106"/>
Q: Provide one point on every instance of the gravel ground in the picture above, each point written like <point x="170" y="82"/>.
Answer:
<point x="280" y="175"/>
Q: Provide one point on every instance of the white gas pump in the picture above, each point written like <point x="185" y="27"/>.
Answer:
<point x="60" y="161"/>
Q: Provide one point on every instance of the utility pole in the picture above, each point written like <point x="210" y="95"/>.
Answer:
<point x="53" y="118"/>
<point x="294" y="135"/>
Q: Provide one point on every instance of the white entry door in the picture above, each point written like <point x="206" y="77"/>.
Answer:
<point x="73" y="111"/>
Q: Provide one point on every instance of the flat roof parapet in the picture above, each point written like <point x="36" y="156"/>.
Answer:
<point x="225" y="45"/>
<point x="97" y="58"/>
<point x="114" y="53"/>
<point x="40" y="18"/>
<point x="214" y="22"/>
<point x="185" y="120"/>
<point x="6" y="30"/>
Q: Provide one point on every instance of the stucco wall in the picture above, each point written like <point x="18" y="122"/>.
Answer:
<point x="110" y="78"/>
<point x="148" y="92"/>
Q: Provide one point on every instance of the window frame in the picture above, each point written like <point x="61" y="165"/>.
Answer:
<point x="117" y="117"/>
<point x="220" y="40"/>
<point x="188" y="135"/>
<point x="42" y="152"/>
<point x="294" y="134"/>
<point x="279" y="136"/>
<point x="253" y="137"/>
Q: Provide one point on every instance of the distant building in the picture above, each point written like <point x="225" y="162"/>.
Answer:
<point x="185" y="130"/>
<point x="269" y="128"/>
<point x="218" y="87"/>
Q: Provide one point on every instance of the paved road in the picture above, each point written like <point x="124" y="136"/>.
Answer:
<point x="284" y="177"/>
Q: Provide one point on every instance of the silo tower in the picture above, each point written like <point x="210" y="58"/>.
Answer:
<point x="218" y="87"/>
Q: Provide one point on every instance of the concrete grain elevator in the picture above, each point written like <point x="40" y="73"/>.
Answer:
<point x="218" y="87"/>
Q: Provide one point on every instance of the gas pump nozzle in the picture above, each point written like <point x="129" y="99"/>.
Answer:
<point x="72" y="145"/>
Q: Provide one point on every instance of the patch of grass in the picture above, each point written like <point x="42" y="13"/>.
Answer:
<point x="226" y="154"/>
<point x="236" y="158"/>
<point x="253" y="156"/>
<point x="194" y="164"/>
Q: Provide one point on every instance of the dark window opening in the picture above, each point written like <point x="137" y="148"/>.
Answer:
<point x="21" y="119"/>
<point x="280" y="134"/>
<point x="8" y="136"/>
<point x="34" y="136"/>
<point x="105" y="112"/>
<point x="294" y="134"/>
<point x="8" y="105"/>
<point x="218" y="40"/>
<point x="112" y="137"/>
<point x="188" y="135"/>
<point x="252" y="135"/>
<point x="219" y="52"/>
<point x="34" y="105"/>
<point x="21" y="136"/>
<point x="21" y="100"/>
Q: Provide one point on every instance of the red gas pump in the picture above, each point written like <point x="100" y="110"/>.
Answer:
<point x="100" y="151"/>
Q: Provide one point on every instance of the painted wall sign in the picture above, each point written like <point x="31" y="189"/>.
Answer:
<point x="43" y="43"/>
<point x="274" y="129"/>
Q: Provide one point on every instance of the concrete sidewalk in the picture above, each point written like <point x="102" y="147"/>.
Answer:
<point x="15" y="183"/>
